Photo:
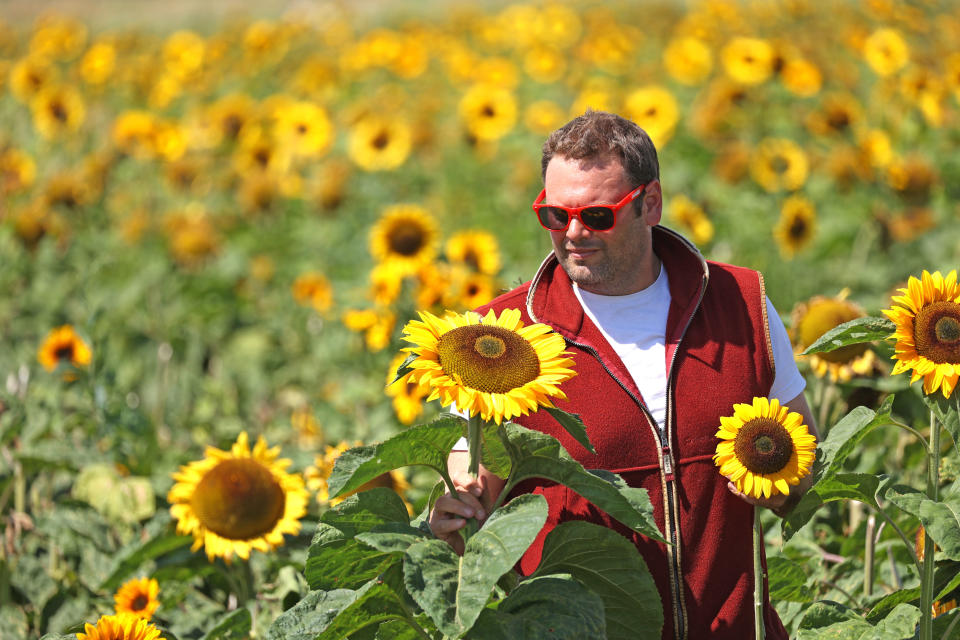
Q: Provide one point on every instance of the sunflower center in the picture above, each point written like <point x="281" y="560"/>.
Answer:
<point x="139" y="603"/>
<point x="238" y="499"/>
<point x="406" y="241"/>
<point x="64" y="353"/>
<point x="779" y="164"/>
<point x="488" y="358"/>
<point x="798" y="229"/>
<point x="381" y="140"/>
<point x="763" y="445"/>
<point x="936" y="331"/>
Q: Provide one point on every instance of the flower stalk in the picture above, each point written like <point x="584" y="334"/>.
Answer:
<point x="933" y="489"/>
<point x="759" y="576"/>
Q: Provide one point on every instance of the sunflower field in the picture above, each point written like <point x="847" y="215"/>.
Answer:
<point x="214" y="228"/>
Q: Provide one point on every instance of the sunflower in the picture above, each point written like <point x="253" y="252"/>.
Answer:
<point x="57" y="110"/>
<point x="477" y="249"/>
<point x="779" y="163"/>
<point x="17" y="170"/>
<point x="470" y="290"/>
<point x="375" y="324"/>
<point x="691" y="217"/>
<point x="748" y="60"/>
<point x="764" y="448"/>
<point x="688" y="60"/>
<point x="407" y="397"/>
<point x="811" y="319"/>
<point x="543" y="116"/>
<point x="495" y="367"/>
<point x="313" y="289"/>
<point x="927" y="317"/>
<point x="303" y="129"/>
<point x="797" y="224"/>
<point x="655" y="110"/>
<point x="840" y="113"/>
<point x="229" y="115"/>
<point x="488" y="112"/>
<point x="122" y="626"/>
<point x="138" y="596"/>
<point x="405" y="235"/>
<point x="64" y="345"/>
<point x="885" y="51"/>
<point x="29" y="76"/>
<point x="801" y="77"/>
<point x="544" y="63"/>
<point x="238" y="500"/>
<point x="379" y="144"/>
<point x="318" y="476"/>
<point x="98" y="63"/>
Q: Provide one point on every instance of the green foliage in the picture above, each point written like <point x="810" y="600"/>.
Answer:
<point x="857" y="331"/>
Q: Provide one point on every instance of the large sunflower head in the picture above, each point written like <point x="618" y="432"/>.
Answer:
<point x="138" y="596"/>
<point x="764" y="448"/>
<point x="238" y="500"/>
<point x="495" y="367"/>
<point x="406" y="235"/>
<point x="927" y="317"/>
<point x="816" y="316"/>
<point x="122" y="626"/>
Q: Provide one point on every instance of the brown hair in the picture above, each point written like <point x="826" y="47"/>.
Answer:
<point x="597" y="134"/>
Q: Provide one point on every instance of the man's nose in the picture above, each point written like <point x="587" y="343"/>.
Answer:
<point x="577" y="230"/>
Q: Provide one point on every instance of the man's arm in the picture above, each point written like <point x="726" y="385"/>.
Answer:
<point x="476" y="497"/>
<point x="781" y="504"/>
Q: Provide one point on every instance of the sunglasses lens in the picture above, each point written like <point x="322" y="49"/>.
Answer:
<point x="553" y="217"/>
<point x="598" y="218"/>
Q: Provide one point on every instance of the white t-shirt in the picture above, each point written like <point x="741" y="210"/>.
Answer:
<point x="635" y="325"/>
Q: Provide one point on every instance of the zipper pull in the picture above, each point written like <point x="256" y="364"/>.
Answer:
<point x="667" y="464"/>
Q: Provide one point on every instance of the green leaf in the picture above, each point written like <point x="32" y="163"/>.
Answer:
<point x="375" y="602"/>
<point x="392" y="537"/>
<point x="233" y="626"/>
<point x="547" y="608"/>
<point x="888" y="603"/>
<point x="427" y="445"/>
<point x="309" y="617"/>
<point x="842" y="486"/>
<point x="836" y="623"/>
<point x="857" y="331"/>
<point x="539" y="455"/>
<point x="952" y="582"/>
<point x="404" y="367"/>
<point x="610" y="566"/>
<point x="396" y="630"/>
<point x="129" y="562"/>
<point x="941" y="519"/>
<point x="453" y="590"/>
<point x="574" y="426"/>
<point x="787" y="581"/>
<point x="336" y="558"/>
<point x="494" y="455"/>
<point x="946" y="412"/>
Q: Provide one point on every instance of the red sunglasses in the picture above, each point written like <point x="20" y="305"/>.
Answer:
<point x="596" y="217"/>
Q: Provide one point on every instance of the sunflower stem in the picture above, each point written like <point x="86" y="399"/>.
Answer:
<point x="919" y="435"/>
<point x="933" y="485"/>
<point x="903" y="537"/>
<point x="871" y="545"/>
<point x="474" y="438"/>
<point x="759" y="577"/>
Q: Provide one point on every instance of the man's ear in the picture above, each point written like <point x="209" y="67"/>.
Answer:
<point x="652" y="203"/>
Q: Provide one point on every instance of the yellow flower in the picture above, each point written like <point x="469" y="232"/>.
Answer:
<point x="58" y="37"/>
<point x="233" y="502"/>
<point x="57" y="110"/>
<point x="64" y="345"/>
<point x="98" y="63"/>
<point x="811" y="319"/>
<point x="764" y="448"/>
<point x="471" y="290"/>
<point x="886" y="51"/>
<point x="544" y="64"/>
<point x="407" y="397"/>
<point x="313" y="289"/>
<point x="748" y="60"/>
<point x="303" y="128"/>
<point x="229" y="115"/>
<point x="543" y="116"/>
<point x="690" y="216"/>
<point x="801" y="77"/>
<point x="495" y="367"/>
<point x="406" y="236"/>
<point x="183" y="54"/>
<point x="655" y="110"/>
<point x="488" y="112"/>
<point x="477" y="249"/>
<point x="927" y="317"/>
<point x="379" y="144"/>
<point x="779" y="163"/>
<point x="134" y="133"/>
<point x="839" y="114"/>
<point x="317" y="478"/>
<point x="29" y="76"/>
<point x="122" y="626"/>
<point x="796" y="227"/>
<point x="688" y="60"/>
<point x="375" y="324"/>
<point x="17" y="170"/>
<point x="138" y="596"/>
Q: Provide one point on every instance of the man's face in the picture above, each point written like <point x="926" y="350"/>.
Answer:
<point x="614" y="262"/>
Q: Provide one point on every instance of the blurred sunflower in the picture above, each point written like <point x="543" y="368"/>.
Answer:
<point x="496" y="72"/>
<point x="691" y="217"/>
<point x="839" y="114"/>
<point x="327" y="186"/>
<point x="318" y="475"/>
<point x="235" y="501"/>
<point x="378" y="143"/>
<point x="471" y="290"/>
<point x="477" y="249"/>
<point x="64" y="345"/>
<point x="494" y="367"/>
<point x="801" y="77"/>
<point x="57" y="110"/>
<point x="543" y="116"/>
<point x="138" y="596"/>
<point x="406" y="397"/>
<point x="303" y="128"/>
<point x="885" y="51"/>
<point x="811" y="319"/>
<point x="230" y="114"/>
<point x="779" y="163"/>
<point x="913" y="177"/>
<point x="488" y="112"/>
<point x="257" y="151"/>
<point x="313" y="289"/>
<point x="122" y="626"/>
<point x="748" y="60"/>
<point x="655" y="110"/>
<point x="927" y="317"/>
<point x="134" y="133"/>
<point x="191" y="236"/>
<point x="58" y="37"/>
<point x="183" y="54"/>
<point x="69" y="189"/>
<point x="433" y="285"/>
<point x="796" y="227"/>
<point x="557" y="24"/>
<point x="688" y="60"/>
<point x="875" y="148"/>
<point x="258" y="192"/>
<point x="386" y="281"/>
<point x="376" y="325"/>
<point x="764" y="448"/>
<point x="544" y="63"/>
<point x="406" y="236"/>
<point x="98" y="63"/>
<point x="31" y="75"/>
<point x="17" y="170"/>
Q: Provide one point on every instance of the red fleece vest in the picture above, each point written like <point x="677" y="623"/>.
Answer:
<point x="718" y="342"/>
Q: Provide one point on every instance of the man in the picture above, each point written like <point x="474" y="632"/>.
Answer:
<point x="664" y="344"/>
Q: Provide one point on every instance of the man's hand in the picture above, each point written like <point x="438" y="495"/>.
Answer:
<point x="475" y="498"/>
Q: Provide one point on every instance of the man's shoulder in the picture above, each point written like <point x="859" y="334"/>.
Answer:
<point x="732" y="269"/>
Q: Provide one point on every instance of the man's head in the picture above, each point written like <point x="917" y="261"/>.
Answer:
<point x="599" y="158"/>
